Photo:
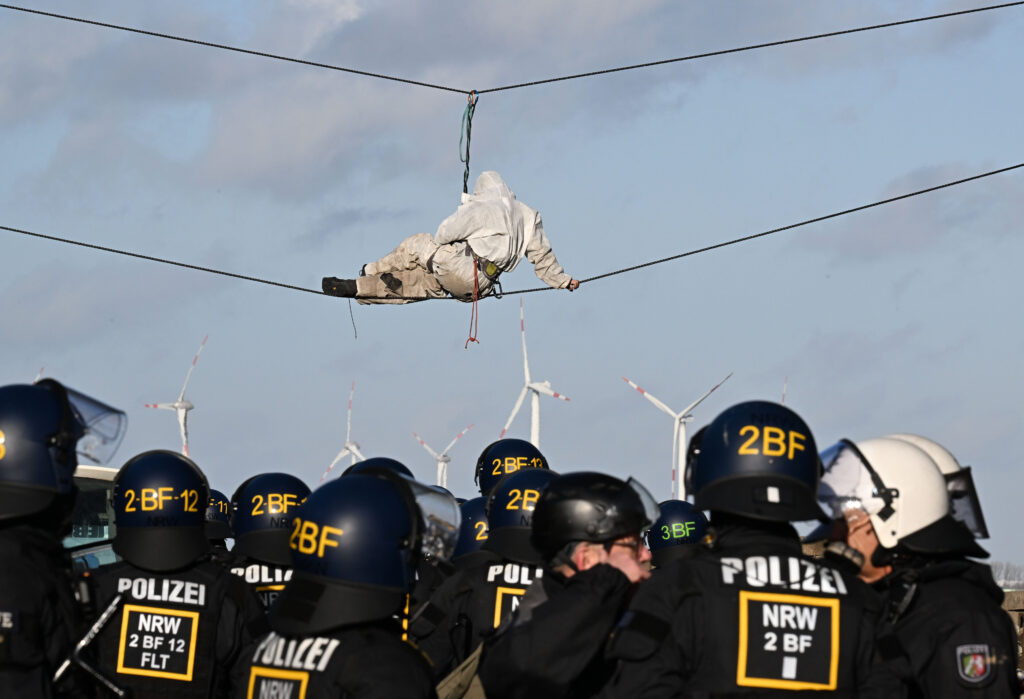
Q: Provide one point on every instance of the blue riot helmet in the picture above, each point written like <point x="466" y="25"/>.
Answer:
<point x="356" y="544"/>
<point x="218" y="516"/>
<point x="677" y="529"/>
<point x="262" y="511"/>
<point x="42" y="426"/>
<point x="473" y="530"/>
<point x="159" y="499"/>
<point x="378" y="462"/>
<point x="503" y="457"/>
<point x="510" y="509"/>
<point x="758" y="459"/>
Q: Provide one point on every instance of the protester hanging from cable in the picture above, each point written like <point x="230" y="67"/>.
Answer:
<point x="487" y="235"/>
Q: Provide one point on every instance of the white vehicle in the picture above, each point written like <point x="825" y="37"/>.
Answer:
<point x="92" y="520"/>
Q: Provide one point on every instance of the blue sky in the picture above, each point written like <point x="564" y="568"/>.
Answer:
<point x="901" y="319"/>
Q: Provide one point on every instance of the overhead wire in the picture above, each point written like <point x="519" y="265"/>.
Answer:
<point x="447" y="88"/>
<point x="633" y="268"/>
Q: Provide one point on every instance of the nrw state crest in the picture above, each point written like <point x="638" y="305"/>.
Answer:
<point x="973" y="662"/>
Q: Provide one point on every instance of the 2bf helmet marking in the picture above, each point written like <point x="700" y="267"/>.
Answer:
<point x="151" y="499"/>
<point x="309" y="537"/>
<point x="773" y="441"/>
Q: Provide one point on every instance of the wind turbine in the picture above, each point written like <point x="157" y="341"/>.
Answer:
<point x="442" y="459"/>
<point x="678" y="432"/>
<point x="534" y="387"/>
<point x="182" y="406"/>
<point x="350" y="448"/>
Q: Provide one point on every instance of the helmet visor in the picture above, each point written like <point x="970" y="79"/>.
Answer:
<point x="104" y="426"/>
<point x="650" y="505"/>
<point x="848" y="481"/>
<point x="964" y="503"/>
<point x="441" y="520"/>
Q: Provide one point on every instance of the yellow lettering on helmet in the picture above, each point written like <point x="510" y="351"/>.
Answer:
<point x="774" y="441"/>
<point x="3" y="445"/>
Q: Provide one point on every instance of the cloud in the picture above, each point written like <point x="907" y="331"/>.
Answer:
<point x="341" y="220"/>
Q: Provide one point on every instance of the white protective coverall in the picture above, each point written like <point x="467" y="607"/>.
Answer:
<point x="490" y="225"/>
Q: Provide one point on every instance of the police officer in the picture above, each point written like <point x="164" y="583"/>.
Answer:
<point x="588" y="529"/>
<point x="355" y="546"/>
<point x="945" y="627"/>
<point x="183" y="618"/>
<point x="218" y="525"/>
<point x="40" y="619"/>
<point x="679" y="527"/>
<point x="263" y="508"/>
<point x="505" y="456"/>
<point x="472" y="603"/>
<point x="748" y="614"/>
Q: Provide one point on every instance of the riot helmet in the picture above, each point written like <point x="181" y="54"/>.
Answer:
<point x="473" y="530"/>
<point x="903" y="492"/>
<point x="218" y="517"/>
<point x="679" y="526"/>
<point x="42" y="427"/>
<point x="378" y="462"/>
<point x="757" y="459"/>
<point x="159" y="499"/>
<point x="262" y="511"/>
<point x="510" y="508"/>
<point x="963" y="496"/>
<point x="356" y="544"/>
<point x="588" y="506"/>
<point x="505" y="456"/>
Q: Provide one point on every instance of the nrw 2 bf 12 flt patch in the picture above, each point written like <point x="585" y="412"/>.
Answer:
<point x="973" y="662"/>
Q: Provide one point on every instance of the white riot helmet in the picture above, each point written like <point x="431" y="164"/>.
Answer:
<point x="901" y="489"/>
<point x="963" y="497"/>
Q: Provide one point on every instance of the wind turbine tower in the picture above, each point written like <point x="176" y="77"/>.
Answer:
<point x="350" y="448"/>
<point x="182" y="406"/>
<point x="442" y="459"/>
<point x="535" y="388"/>
<point x="679" y="421"/>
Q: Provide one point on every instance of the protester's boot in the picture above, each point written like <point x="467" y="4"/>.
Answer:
<point x="333" y="286"/>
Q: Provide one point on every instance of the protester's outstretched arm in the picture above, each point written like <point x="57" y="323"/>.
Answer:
<point x="545" y="264"/>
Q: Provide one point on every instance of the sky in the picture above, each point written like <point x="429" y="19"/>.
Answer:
<point x="903" y="318"/>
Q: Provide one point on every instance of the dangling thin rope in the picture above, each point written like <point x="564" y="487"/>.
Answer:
<point x="474" y="313"/>
<point x="467" y="129"/>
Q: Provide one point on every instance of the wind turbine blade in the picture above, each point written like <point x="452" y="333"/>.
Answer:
<point x="341" y="455"/>
<point x="515" y="411"/>
<point x="39" y="375"/>
<point x="522" y="330"/>
<point x="183" y="423"/>
<point x="426" y="446"/>
<point x="348" y="428"/>
<point x="785" y="385"/>
<point x="452" y="444"/>
<point x="355" y="451"/>
<point x="192" y="368"/>
<point x="661" y="406"/>
<point x="697" y="402"/>
<point x="161" y="406"/>
<point x="545" y="388"/>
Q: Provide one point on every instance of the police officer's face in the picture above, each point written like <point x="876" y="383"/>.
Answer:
<point x="861" y="536"/>
<point x="627" y="553"/>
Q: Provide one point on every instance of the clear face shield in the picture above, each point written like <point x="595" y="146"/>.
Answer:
<point x="964" y="503"/>
<point x="441" y="520"/>
<point x="650" y="505"/>
<point x="849" y="482"/>
<point x="104" y="426"/>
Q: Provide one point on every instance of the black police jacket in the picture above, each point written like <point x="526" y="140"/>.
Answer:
<point x="266" y="579"/>
<point x="468" y="607"/>
<point x="39" y="618"/>
<point x="553" y="646"/>
<point x="362" y="660"/>
<point x="750" y="616"/>
<point x="948" y="631"/>
<point x="176" y="634"/>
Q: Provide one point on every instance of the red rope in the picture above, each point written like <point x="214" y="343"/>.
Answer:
<point x="474" y="314"/>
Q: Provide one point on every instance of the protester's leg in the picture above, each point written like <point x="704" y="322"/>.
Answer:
<point x="398" y="287"/>
<point x="453" y="269"/>
<point x="411" y="253"/>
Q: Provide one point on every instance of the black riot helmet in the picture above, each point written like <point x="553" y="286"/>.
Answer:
<point x="159" y="500"/>
<point x="218" y="517"/>
<point x="473" y="529"/>
<point x="758" y="459"/>
<point x="378" y="462"/>
<point x="262" y="511"/>
<point x="505" y="456"/>
<point x="587" y="506"/>
<point x="679" y="526"/>
<point x="356" y="544"/>
<point x="510" y="509"/>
